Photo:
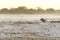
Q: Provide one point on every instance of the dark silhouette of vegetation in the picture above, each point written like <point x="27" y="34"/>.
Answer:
<point x="39" y="9"/>
<point x="4" y="10"/>
<point x="50" y="10"/>
<point x="25" y="10"/>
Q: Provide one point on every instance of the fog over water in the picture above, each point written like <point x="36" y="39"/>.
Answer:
<point x="24" y="17"/>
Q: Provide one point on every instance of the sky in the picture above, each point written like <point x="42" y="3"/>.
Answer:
<point x="44" y="4"/>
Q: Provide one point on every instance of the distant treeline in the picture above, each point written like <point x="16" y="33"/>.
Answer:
<point x="25" y="10"/>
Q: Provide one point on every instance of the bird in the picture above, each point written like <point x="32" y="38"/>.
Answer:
<point x="43" y="20"/>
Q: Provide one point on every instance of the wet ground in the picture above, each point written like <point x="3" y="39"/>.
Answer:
<point x="29" y="27"/>
<point x="29" y="31"/>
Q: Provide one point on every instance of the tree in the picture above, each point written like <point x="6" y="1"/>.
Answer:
<point x="38" y="9"/>
<point x="22" y="8"/>
<point x="50" y="10"/>
<point x="4" y="10"/>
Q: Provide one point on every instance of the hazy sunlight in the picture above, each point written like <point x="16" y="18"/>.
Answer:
<point x="30" y="3"/>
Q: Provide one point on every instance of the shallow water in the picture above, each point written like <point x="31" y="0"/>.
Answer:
<point x="11" y="26"/>
<point x="24" y="17"/>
